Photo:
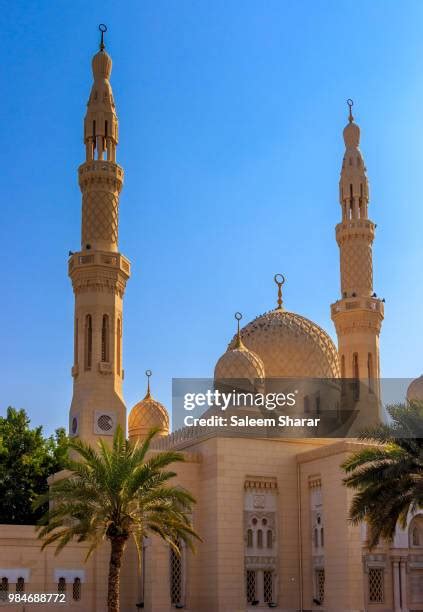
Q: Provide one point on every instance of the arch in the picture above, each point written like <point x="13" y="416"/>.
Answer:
<point x="105" y="338"/>
<point x="259" y="538"/>
<point x="269" y="538"/>
<point x="415" y="532"/>
<point x="88" y="342"/>
<point x="249" y="538"/>
<point x="76" y="343"/>
<point x="20" y="585"/>
<point x="61" y="585"/>
<point x="118" y="346"/>
<point x="370" y="371"/>
<point x="356" y="376"/>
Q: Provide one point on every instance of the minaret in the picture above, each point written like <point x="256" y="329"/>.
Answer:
<point x="98" y="271"/>
<point x="358" y="315"/>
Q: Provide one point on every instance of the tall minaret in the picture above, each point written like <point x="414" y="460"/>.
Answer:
<point x="98" y="271"/>
<point x="358" y="315"/>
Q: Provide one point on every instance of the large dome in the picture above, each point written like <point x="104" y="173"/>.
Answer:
<point x="290" y="345"/>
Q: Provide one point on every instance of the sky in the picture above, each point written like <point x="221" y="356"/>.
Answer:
<point x="231" y="116"/>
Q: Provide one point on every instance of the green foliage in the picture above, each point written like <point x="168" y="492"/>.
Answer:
<point x="114" y="492"/>
<point x="27" y="459"/>
<point x="388" y="475"/>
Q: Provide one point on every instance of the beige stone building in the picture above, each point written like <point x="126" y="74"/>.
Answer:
<point x="272" y="511"/>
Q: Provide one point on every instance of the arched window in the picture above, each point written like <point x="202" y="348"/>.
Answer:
<point x="259" y="539"/>
<point x="269" y="537"/>
<point x="316" y="538"/>
<point x="356" y="376"/>
<point x="75" y="344"/>
<point x="370" y="373"/>
<point x="416" y="531"/>
<point x="322" y="537"/>
<point x="76" y="589"/>
<point x="249" y="538"/>
<point x="20" y="585"/>
<point x="118" y="346"/>
<point x="343" y="386"/>
<point x="105" y="338"/>
<point x="61" y="585"/>
<point x="306" y="404"/>
<point x="88" y="342"/>
<point x="4" y="589"/>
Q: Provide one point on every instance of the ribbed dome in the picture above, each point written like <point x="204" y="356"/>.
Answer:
<point x="290" y="346"/>
<point x="145" y="415"/>
<point x="415" y="390"/>
<point x="102" y="65"/>
<point x="239" y="363"/>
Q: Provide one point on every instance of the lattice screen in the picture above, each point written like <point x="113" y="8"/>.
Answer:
<point x="4" y="589"/>
<point x="251" y="585"/>
<point x="76" y="589"/>
<point x="20" y="585"/>
<point x="175" y="577"/>
<point x="376" y="586"/>
<point x="268" y="586"/>
<point x="320" y="585"/>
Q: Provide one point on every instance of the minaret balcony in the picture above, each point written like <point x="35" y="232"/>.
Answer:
<point x="351" y="227"/>
<point x="100" y="170"/>
<point x="104" y="259"/>
<point x="358" y="303"/>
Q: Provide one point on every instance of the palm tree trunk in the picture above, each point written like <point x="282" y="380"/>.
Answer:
<point x="118" y="544"/>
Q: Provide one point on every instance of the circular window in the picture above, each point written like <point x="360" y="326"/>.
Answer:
<point x="74" y="426"/>
<point x="105" y="422"/>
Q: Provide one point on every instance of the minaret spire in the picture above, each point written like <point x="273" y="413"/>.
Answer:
<point x="358" y="314"/>
<point x="98" y="271"/>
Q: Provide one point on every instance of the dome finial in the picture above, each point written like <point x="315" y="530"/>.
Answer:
<point x="148" y="373"/>
<point x="238" y="317"/>
<point x="350" y="105"/>
<point x="279" y="280"/>
<point x="103" y="29"/>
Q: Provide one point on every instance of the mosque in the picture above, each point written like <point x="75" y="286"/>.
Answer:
<point x="271" y="511"/>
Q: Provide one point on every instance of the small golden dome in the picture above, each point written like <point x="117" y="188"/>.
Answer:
<point x="290" y="345"/>
<point x="102" y="65"/>
<point x="146" y="414"/>
<point x="351" y="130"/>
<point x="239" y="363"/>
<point x="415" y="390"/>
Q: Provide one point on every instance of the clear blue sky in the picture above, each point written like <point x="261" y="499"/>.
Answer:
<point x="231" y="116"/>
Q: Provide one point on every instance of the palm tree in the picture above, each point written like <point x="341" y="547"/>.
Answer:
<point x="388" y="474"/>
<point x="114" y="493"/>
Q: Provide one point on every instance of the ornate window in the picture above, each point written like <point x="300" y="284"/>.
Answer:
<point x="376" y="585"/>
<point x="268" y="586"/>
<point x="4" y="589"/>
<point x="251" y="586"/>
<point x="176" y="577"/>
<point x="316" y="538"/>
<point x="249" y="538"/>
<point x="105" y="339"/>
<point x="76" y="589"/>
<point x="61" y="585"/>
<point x="20" y="585"/>
<point x="356" y="376"/>
<point x="320" y="585"/>
<point x="88" y="342"/>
